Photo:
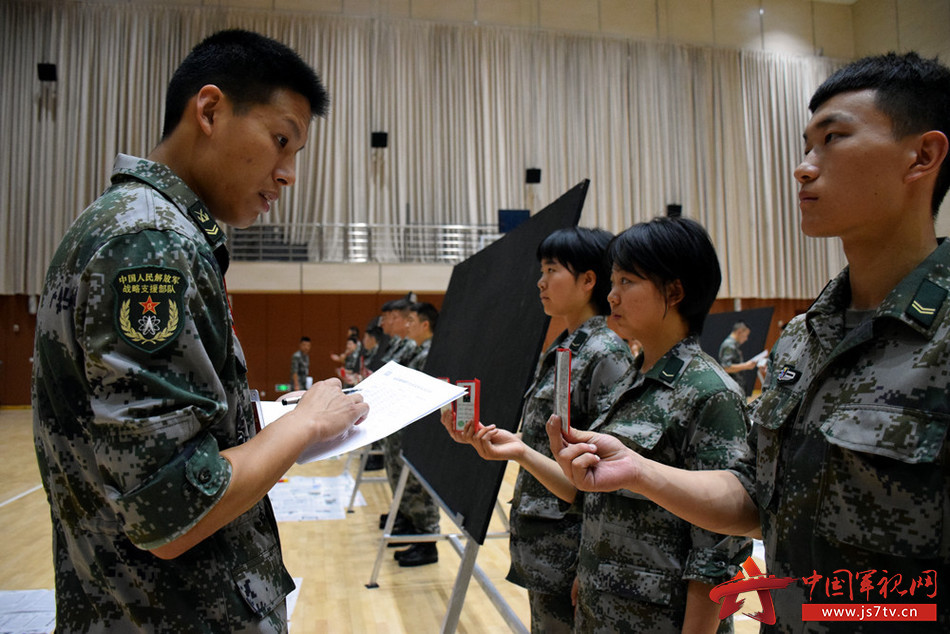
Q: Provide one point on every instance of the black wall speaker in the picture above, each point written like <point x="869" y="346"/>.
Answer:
<point x="532" y="175"/>
<point x="379" y="139"/>
<point x="674" y="210"/>
<point x="46" y="72"/>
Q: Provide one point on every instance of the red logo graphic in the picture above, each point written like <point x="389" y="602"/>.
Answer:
<point x="148" y="306"/>
<point x="728" y="593"/>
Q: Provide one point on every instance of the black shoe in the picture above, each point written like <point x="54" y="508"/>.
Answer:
<point x="401" y="522"/>
<point x="402" y="526"/>
<point x="419" y="554"/>
<point x="374" y="463"/>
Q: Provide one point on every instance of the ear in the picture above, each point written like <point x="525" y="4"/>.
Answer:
<point x="209" y="103"/>
<point x="930" y="153"/>
<point x="674" y="293"/>
<point x="588" y="280"/>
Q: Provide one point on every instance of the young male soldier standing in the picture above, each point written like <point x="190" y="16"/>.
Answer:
<point x="848" y="476"/>
<point x="143" y="421"/>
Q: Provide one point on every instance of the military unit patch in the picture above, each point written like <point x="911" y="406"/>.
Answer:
<point x="149" y="306"/>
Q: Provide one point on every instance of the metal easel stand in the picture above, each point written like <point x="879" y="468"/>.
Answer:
<point x="365" y="453"/>
<point x="467" y="551"/>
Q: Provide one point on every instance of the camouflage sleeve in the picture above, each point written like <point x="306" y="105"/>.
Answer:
<point x="153" y="354"/>
<point x="611" y="364"/>
<point x="718" y="442"/>
<point x="728" y="354"/>
<point x="296" y="365"/>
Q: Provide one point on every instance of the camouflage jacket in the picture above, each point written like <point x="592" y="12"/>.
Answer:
<point x="418" y="359"/>
<point x="729" y="352"/>
<point x="544" y="535"/>
<point x="300" y="367"/>
<point x="139" y="382"/>
<point x="352" y="360"/>
<point x="401" y="350"/>
<point x="685" y="412"/>
<point x="851" y="447"/>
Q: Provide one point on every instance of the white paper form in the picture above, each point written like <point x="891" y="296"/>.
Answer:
<point x="397" y="396"/>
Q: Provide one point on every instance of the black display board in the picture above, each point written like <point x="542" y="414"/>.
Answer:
<point x="718" y="326"/>
<point x="491" y="328"/>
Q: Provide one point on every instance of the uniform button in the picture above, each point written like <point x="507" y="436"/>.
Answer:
<point x="204" y="476"/>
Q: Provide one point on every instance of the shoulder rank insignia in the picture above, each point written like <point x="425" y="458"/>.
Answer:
<point x="671" y="368"/>
<point x="149" y="306"/>
<point x="927" y="301"/>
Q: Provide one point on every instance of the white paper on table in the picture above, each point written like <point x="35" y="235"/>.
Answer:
<point x="397" y="396"/>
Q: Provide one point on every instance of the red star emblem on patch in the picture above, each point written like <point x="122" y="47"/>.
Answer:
<point x="148" y="306"/>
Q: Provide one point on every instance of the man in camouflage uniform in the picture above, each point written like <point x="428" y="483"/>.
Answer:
<point x="143" y="420"/>
<point x="849" y="447"/>
<point x="300" y="365"/>
<point x="416" y="504"/>
<point x="394" y="323"/>
<point x="730" y="354"/>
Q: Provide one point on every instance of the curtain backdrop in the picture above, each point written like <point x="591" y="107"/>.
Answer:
<point x="467" y="110"/>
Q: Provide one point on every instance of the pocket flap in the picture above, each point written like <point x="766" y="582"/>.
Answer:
<point x="636" y="433"/>
<point x="774" y="407"/>
<point x="904" y="434"/>
<point x="263" y="582"/>
<point x="635" y="583"/>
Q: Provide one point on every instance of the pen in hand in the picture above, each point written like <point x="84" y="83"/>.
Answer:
<point x="293" y="400"/>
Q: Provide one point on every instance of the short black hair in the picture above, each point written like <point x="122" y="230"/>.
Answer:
<point x="374" y="330"/>
<point x="739" y="325"/>
<point x="579" y="250"/>
<point x="427" y="312"/>
<point x="913" y="92"/>
<point x="667" y="249"/>
<point x="402" y="305"/>
<point x="302" y="339"/>
<point x="248" y="67"/>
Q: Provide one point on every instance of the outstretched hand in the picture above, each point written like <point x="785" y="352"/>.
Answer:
<point x="464" y="435"/>
<point x="493" y="443"/>
<point x="592" y="461"/>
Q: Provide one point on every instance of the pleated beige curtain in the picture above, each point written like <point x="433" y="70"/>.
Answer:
<point x="467" y="110"/>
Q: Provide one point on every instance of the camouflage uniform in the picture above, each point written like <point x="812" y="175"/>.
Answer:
<point x="544" y="534"/>
<point x="300" y="368"/>
<point x="636" y="558"/>
<point x="401" y="350"/>
<point x="852" y="453"/>
<point x="729" y="352"/>
<point x="416" y="502"/>
<point x="138" y="382"/>
<point x="418" y="359"/>
<point x="351" y="363"/>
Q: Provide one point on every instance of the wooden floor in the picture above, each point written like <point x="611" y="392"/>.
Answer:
<point x="334" y="558"/>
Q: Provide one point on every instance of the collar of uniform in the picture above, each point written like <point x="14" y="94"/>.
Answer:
<point x="918" y="300"/>
<point x="163" y="179"/>
<point x="671" y="365"/>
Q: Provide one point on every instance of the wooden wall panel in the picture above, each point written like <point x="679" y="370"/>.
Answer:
<point x="270" y="325"/>
<point x="17" y="329"/>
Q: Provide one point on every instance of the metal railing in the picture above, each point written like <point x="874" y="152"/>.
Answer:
<point x="360" y="242"/>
